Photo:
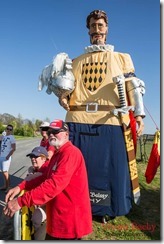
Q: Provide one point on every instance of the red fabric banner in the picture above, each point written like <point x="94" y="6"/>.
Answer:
<point x="154" y="159"/>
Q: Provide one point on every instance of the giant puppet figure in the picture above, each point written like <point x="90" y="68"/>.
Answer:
<point x="104" y="94"/>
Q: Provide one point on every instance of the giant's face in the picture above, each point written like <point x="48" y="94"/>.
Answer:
<point x="98" y="31"/>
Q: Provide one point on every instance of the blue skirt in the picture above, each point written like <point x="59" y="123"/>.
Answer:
<point x="105" y="155"/>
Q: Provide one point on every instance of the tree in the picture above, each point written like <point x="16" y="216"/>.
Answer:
<point x="37" y="124"/>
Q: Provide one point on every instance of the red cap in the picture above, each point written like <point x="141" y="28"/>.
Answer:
<point x="58" y="125"/>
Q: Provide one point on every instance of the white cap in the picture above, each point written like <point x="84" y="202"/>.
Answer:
<point x="44" y="124"/>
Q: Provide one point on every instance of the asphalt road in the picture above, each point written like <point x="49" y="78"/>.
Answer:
<point x="19" y="159"/>
<point x="20" y="162"/>
<point x="18" y="171"/>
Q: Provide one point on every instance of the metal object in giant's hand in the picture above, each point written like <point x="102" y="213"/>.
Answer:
<point x="58" y="76"/>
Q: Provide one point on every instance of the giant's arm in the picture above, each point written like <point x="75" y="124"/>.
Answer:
<point x="58" y="77"/>
<point x="135" y="90"/>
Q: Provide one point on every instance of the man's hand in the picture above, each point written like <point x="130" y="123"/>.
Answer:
<point x="12" y="193"/>
<point x="7" y="157"/>
<point x="140" y="124"/>
<point x="11" y="207"/>
<point x="64" y="103"/>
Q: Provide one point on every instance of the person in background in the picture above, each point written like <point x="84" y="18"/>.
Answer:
<point x="63" y="188"/>
<point x="8" y="147"/>
<point x="44" y="142"/>
<point x="40" y="161"/>
<point x="93" y="117"/>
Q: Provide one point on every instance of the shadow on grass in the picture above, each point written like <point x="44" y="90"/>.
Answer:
<point x="146" y="216"/>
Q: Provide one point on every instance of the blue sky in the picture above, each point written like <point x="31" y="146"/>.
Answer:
<point x="34" y="31"/>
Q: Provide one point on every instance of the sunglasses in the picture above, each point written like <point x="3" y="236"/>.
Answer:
<point x="9" y="129"/>
<point x="33" y="156"/>
<point x="54" y="132"/>
<point x="44" y="129"/>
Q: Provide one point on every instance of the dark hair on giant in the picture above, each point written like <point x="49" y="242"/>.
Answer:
<point x="96" y="14"/>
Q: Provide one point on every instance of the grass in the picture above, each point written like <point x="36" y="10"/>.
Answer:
<point x="143" y="221"/>
<point x="24" y="137"/>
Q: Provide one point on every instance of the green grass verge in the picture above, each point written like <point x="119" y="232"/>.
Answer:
<point x="24" y="137"/>
<point x="143" y="221"/>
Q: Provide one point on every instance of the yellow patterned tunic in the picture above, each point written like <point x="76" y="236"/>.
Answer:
<point x="93" y="75"/>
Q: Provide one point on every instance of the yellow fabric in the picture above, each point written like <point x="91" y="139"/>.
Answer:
<point x="93" y="75"/>
<point x="27" y="228"/>
<point x="157" y="140"/>
<point x="132" y="164"/>
<point x="126" y="119"/>
<point x="26" y="225"/>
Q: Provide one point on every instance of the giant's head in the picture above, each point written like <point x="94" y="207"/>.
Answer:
<point x="97" y="23"/>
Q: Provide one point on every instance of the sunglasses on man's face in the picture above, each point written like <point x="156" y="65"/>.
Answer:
<point x="9" y="129"/>
<point x="54" y="132"/>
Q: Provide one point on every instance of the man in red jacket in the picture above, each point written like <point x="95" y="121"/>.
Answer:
<point x="63" y="188"/>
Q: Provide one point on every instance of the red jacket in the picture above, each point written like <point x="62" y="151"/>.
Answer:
<point x="45" y="143"/>
<point x="64" y="189"/>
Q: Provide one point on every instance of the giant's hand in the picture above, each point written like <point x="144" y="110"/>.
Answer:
<point x="64" y="103"/>
<point x="140" y="124"/>
<point x="11" y="207"/>
<point x="12" y="193"/>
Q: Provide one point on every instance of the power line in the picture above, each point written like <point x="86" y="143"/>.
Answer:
<point x="152" y="118"/>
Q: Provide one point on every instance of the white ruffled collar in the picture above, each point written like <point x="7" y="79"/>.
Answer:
<point x="96" y="48"/>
